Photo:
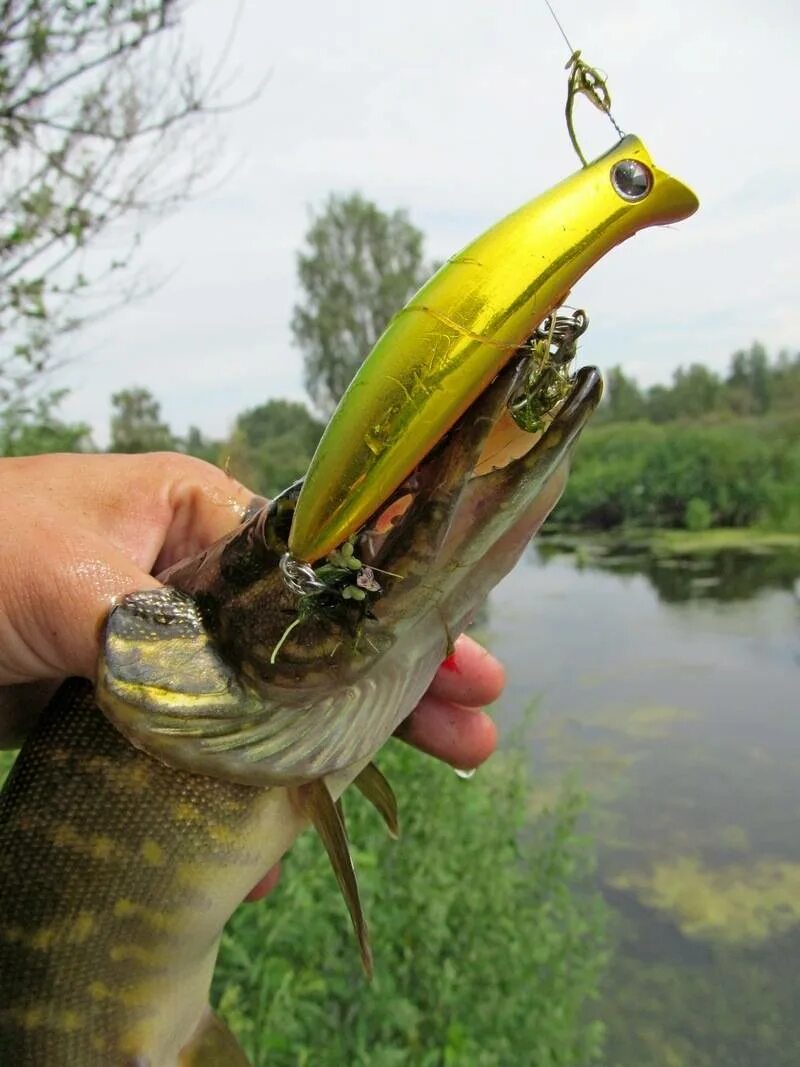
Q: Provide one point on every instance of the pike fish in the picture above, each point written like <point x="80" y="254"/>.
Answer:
<point x="234" y="705"/>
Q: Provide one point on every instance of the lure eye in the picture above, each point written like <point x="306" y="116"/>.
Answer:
<point x="631" y="179"/>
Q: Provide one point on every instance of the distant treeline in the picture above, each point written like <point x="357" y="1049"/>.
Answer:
<point x="709" y="450"/>
<point x="269" y="446"/>
<point x="754" y="385"/>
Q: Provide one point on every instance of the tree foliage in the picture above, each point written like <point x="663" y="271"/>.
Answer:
<point x="360" y="266"/>
<point x="30" y="430"/>
<point x="624" y="399"/>
<point x="754" y="385"/>
<point x="272" y="445"/>
<point x="734" y="473"/>
<point x="750" y="381"/>
<point x="136" y="424"/>
<point x="201" y="447"/>
<point x="708" y="450"/>
<point x="96" y="99"/>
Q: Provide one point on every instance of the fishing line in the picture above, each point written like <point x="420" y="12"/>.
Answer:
<point x="586" y="80"/>
<point x="558" y="23"/>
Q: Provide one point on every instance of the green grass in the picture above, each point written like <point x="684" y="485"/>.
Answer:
<point x="487" y="952"/>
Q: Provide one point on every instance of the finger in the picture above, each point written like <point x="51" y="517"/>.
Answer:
<point x="470" y="676"/>
<point x="53" y="617"/>
<point x="462" y="737"/>
<point x="97" y="525"/>
<point x="204" y="504"/>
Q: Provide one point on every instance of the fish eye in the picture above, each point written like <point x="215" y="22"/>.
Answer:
<point x="631" y="179"/>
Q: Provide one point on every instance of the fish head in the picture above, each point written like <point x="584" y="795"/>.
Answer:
<point x="252" y="667"/>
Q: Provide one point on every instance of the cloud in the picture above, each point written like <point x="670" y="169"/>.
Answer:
<point x="455" y="111"/>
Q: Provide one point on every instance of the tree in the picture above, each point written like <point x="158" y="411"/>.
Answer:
<point x="136" y="424"/>
<point x="659" y="403"/>
<point x="695" y="391"/>
<point x="786" y="382"/>
<point x="360" y="266"/>
<point x="201" y="447"/>
<point x="30" y="431"/>
<point x="99" y="113"/>
<point x="272" y="445"/>
<point x="749" y="381"/>
<point x="624" y="398"/>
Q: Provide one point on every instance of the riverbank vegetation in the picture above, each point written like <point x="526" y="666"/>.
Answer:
<point x="487" y="950"/>
<point x="708" y="451"/>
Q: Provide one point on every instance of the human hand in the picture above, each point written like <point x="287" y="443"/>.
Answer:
<point x="84" y="530"/>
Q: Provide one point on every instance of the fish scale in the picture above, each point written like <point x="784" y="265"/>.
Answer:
<point x="84" y="808"/>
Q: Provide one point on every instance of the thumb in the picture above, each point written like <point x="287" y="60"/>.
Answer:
<point x="87" y="530"/>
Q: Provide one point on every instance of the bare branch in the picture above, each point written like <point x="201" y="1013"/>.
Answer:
<point x="102" y="118"/>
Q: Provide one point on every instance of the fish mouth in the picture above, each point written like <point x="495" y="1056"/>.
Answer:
<point x="482" y="456"/>
<point x="462" y="500"/>
<point x="464" y="475"/>
<point x="232" y="674"/>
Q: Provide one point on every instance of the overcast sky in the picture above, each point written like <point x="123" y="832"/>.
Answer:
<point x="453" y="109"/>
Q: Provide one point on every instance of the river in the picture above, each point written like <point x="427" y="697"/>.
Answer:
<point x="668" y="691"/>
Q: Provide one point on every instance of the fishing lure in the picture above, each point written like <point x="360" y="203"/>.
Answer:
<point x="441" y="351"/>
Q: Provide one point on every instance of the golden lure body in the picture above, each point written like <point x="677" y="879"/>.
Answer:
<point x="441" y="351"/>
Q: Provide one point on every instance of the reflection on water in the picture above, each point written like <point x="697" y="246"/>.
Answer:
<point x="669" y="688"/>
<point x="731" y="574"/>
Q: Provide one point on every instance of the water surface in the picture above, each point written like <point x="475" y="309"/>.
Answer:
<point x="669" y="690"/>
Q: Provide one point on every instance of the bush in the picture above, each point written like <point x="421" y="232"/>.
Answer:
<point x="485" y="953"/>
<point x="698" y="515"/>
<point x="744" y="471"/>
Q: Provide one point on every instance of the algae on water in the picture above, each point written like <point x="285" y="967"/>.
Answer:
<point x="738" y="904"/>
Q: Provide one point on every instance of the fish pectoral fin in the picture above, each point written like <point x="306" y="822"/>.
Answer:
<point x="213" y="1045"/>
<point x="326" y="818"/>
<point x="374" y="786"/>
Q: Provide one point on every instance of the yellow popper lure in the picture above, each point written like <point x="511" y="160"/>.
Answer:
<point x="443" y="349"/>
